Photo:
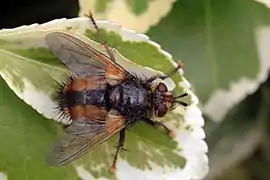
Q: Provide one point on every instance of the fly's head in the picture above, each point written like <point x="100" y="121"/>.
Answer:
<point x="164" y="100"/>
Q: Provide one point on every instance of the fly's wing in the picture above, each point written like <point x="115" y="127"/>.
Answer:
<point x="82" y="59"/>
<point x="83" y="136"/>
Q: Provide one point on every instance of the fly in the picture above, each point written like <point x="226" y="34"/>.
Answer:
<point x="102" y="98"/>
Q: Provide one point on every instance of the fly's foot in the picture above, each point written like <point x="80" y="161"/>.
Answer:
<point x="171" y="134"/>
<point x="113" y="168"/>
<point x="168" y="130"/>
<point x="121" y="148"/>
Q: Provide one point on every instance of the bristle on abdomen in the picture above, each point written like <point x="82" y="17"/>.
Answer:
<point x="61" y="102"/>
<point x="68" y="85"/>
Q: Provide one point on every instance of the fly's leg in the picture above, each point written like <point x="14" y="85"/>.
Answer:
<point x="119" y="147"/>
<point x="103" y="42"/>
<point x="159" y="124"/>
<point x="179" y="66"/>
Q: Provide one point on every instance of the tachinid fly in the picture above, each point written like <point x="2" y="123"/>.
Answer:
<point x="102" y="98"/>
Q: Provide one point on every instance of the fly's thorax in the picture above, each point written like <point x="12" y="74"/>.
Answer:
<point x="131" y="98"/>
<point x="115" y="96"/>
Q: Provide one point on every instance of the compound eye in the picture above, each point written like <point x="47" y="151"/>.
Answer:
<point x="161" y="110"/>
<point x="162" y="88"/>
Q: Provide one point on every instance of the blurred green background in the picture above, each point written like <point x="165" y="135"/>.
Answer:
<point x="220" y="44"/>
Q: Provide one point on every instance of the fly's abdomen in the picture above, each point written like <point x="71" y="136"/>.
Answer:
<point x="78" y="99"/>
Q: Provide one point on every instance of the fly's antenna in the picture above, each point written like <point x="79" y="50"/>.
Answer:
<point x="181" y="102"/>
<point x="102" y="40"/>
<point x="181" y="96"/>
<point x="175" y="99"/>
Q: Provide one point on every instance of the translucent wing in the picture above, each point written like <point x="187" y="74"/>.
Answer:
<point x="82" y="59"/>
<point x="83" y="136"/>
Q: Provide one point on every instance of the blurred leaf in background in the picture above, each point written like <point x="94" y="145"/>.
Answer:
<point x="218" y="43"/>
<point x="138" y="15"/>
